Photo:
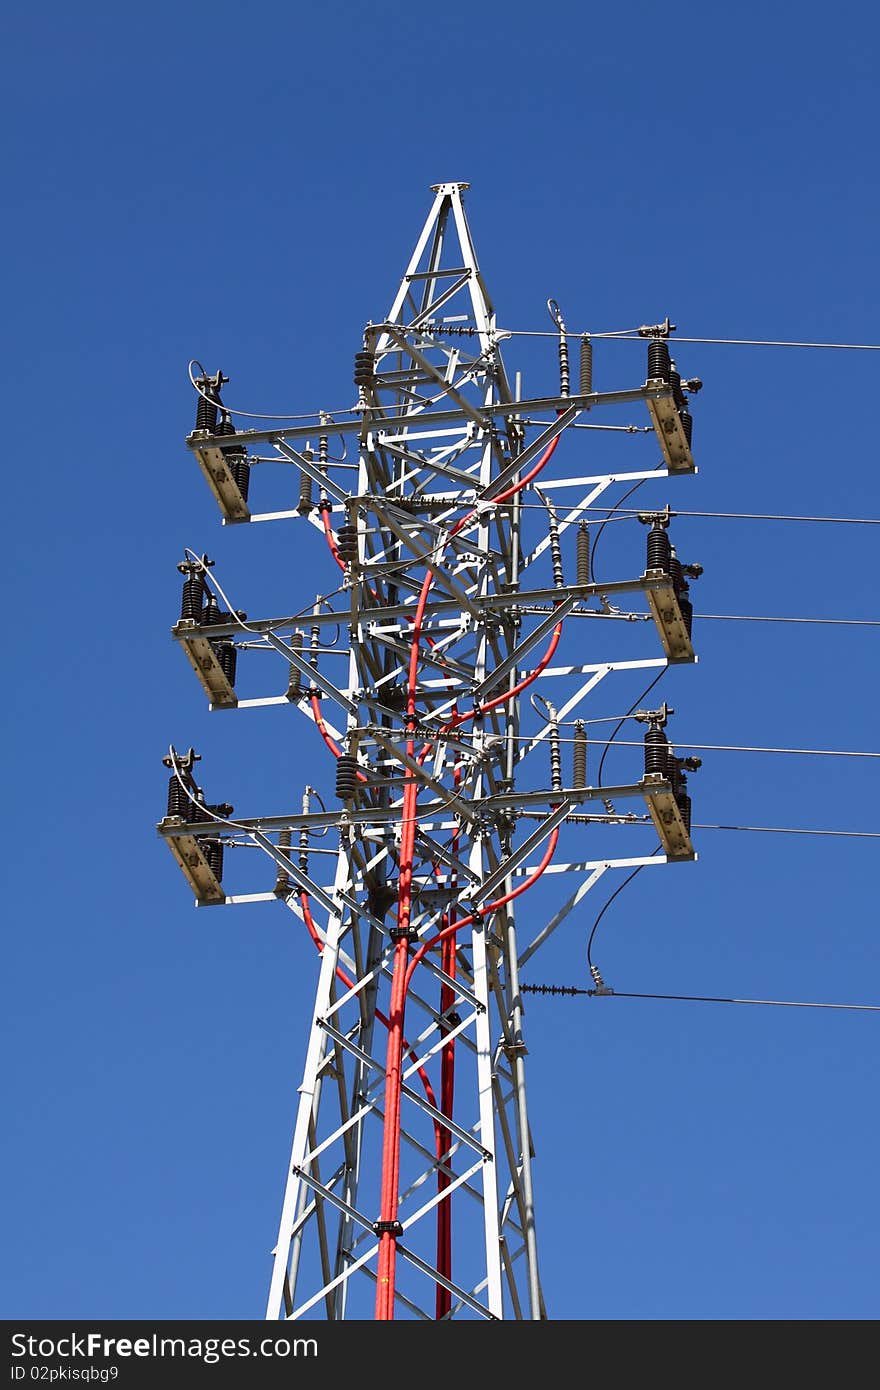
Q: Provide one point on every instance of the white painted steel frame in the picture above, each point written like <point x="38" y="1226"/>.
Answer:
<point x="435" y="410"/>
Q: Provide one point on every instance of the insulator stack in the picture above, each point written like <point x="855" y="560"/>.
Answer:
<point x="656" y="752"/>
<point x="213" y="852"/>
<point x="179" y="803"/>
<point x="659" y="361"/>
<point x="363" y="370"/>
<point x="659" y="549"/>
<point x="314" y="646"/>
<point x="583" y="553"/>
<point x="675" y="571"/>
<point x="193" y="594"/>
<point x="564" y="370"/>
<point x="347" y="543"/>
<point x="586" y="382"/>
<point x="346" y="776"/>
<point x="295" y="689"/>
<point x="227" y="657"/>
<point x="241" y="472"/>
<point x="675" y="382"/>
<point x="306" y="494"/>
<point x="211" y="614"/>
<point x="682" y="800"/>
<point x="236" y="456"/>
<point x="304" y="832"/>
<point x="206" y="410"/>
<point x="212" y="848"/>
<point x="282" y="881"/>
<point x="687" y="610"/>
<point x="556" y="551"/>
<point x="674" y="773"/>
<point x="687" y="424"/>
<point x="555" y="758"/>
<point x="579" y="756"/>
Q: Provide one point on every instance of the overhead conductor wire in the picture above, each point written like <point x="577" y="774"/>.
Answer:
<point x="606" y="993"/>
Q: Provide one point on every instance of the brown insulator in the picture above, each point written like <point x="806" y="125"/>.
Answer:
<point x="579" y="758"/>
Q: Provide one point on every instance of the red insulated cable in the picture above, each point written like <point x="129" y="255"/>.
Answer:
<point x="328" y="532"/>
<point x="402" y="969"/>
<point x="516" y="689"/>
<point x="349" y="984"/>
<point x="488" y="909"/>
<point x="448" y="962"/>
<point x="322" y="728"/>
<point x="391" y="1155"/>
<point x="330" y="742"/>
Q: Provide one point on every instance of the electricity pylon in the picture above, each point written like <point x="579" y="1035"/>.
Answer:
<point x="410" y="1186"/>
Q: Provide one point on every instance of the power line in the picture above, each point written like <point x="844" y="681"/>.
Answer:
<point x="632" y="819"/>
<point x="758" y="618"/>
<point x="674" y="743"/>
<point x="792" y="830"/>
<point x="736" y="748"/>
<point x="627" y="513"/>
<point x="771" y="342"/>
<point x="769" y="516"/>
<point x="634" y="336"/>
<point x="607" y="993"/>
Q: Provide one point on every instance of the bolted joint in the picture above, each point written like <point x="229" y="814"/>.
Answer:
<point x="657" y="330"/>
<point x="389" y="1228"/>
<point x="657" y="518"/>
<point x="409" y="934"/>
<point x="657" y="717"/>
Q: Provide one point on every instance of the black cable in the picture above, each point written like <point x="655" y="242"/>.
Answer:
<point x="717" y="999"/>
<point x="619" y="889"/>
<point x="698" y="998"/>
<point x="622" y="721"/>
<point x="603" y="524"/>
<point x="611" y="512"/>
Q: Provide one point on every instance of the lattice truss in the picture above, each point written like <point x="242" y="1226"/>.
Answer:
<point x="409" y="1190"/>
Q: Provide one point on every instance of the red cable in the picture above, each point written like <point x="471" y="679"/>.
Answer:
<point x="486" y="911"/>
<point x="322" y="728"/>
<point x="325" y="517"/>
<point x="330" y="742"/>
<point x="349" y="984"/>
<point x="448" y="963"/>
<point x="402" y="969"/>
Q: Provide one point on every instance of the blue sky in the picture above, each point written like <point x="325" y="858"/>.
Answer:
<point x="244" y="185"/>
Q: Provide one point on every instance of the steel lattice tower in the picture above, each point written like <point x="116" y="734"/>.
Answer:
<point x="410" y="1187"/>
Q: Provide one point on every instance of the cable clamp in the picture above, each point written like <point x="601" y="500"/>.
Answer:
<point x="601" y="987"/>
<point x="391" y="1228"/>
<point x="396" y="934"/>
<point x="657" y="330"/>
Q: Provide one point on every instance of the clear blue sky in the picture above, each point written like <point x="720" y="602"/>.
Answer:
<point x="243" y="184"/>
